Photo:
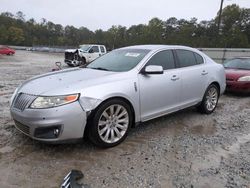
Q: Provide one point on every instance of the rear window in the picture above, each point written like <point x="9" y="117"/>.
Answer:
<point x="198" y="58"/>
<point x="186" y="58"/>
<point x="102" y="49"/>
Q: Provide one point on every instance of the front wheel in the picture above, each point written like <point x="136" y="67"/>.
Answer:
<point x="83" y="61"/>
<point x="110" y="124"/>
<point x="210" y="100"/>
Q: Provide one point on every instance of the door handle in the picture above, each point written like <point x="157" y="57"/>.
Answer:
<point x="204" y="72"/>
<point x="174" y="78"/>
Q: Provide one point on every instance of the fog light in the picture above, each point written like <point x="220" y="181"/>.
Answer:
<point x="48" y="132"/>
<point x="56" y="132"/>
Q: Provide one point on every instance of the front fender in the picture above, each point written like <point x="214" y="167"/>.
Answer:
<point x="85" y="56"/>
<point x="124" y="89"/>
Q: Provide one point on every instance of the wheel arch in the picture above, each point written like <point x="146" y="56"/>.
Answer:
<point x="216" y="84"/>
<point x="83" y="57"/>
<point x="124" y="100"/>
<point x="108" y="99"/>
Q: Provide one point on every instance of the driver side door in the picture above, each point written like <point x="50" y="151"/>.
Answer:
<point x="94" y="53"/>
<point x="160" y="93"/>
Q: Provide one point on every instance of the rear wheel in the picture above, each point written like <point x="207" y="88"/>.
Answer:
<point x="210" y="100"/>
<point x="110" y="124"/>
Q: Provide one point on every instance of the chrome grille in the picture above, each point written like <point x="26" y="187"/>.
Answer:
<point x="23" y="128"/>
<point x="22" y="100"/>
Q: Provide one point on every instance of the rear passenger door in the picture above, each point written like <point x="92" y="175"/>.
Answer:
<point x="193" y="77"/>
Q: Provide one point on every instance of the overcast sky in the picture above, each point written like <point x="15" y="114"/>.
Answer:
<point x="102" y="14"/>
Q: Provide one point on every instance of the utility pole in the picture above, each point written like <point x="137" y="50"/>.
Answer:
<point x="219" y="20"/>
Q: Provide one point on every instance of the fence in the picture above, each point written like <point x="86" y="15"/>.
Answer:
<point x="221" y="54"/>
<point x="217" y="54"/>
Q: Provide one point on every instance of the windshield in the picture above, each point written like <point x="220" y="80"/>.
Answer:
<point x="84" y="47"/>
<point x="243" y="63"/>
<point x="119" y="60"/>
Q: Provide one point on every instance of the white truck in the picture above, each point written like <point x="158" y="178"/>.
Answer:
<point x="84" y="55"/>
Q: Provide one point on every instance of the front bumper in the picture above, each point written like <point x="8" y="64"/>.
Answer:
<point x="69" y="120"/>
<point x="235" y="86"/>
<point x="69" y="62"/>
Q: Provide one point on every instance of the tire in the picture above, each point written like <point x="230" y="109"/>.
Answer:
<point x="104" y="128"/>
<point x="70" y="65"/>
<point x="210" y="100"/>
<point x="83" y="61"/>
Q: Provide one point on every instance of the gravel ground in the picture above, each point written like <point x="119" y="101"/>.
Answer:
<point x="184" y="149"/>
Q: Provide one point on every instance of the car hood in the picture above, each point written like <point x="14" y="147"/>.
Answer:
<point x="70" y="50"/>
<point x="66" y="82"/>
<point x="235" y="74"/>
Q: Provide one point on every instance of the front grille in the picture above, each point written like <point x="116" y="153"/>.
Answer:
<point x="24" y="128"/>
<point x="69" y="56"/>
<point x="22" y="100"/>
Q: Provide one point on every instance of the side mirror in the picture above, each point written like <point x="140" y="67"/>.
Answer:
<point x="91" y="51"/>
<point x="153" y="69"/>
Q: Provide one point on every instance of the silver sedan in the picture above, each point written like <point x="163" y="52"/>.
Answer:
<point x="115" y="92"/>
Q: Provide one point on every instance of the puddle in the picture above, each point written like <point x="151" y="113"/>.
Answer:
<point x="203" y="130"/>
<point x="214" y="158"/>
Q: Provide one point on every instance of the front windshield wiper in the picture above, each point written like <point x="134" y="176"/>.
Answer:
<point x="237" y="68"/>
<point x="99" y="68"/>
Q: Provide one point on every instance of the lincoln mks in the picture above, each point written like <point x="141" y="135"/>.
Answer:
<point x="104" y="99"/>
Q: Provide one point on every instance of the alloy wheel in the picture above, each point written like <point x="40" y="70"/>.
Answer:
<point x="211" y="98"/>
<point x="113" y="123"/>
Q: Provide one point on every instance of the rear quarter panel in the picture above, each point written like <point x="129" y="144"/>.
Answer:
<point x="217" y="74"/>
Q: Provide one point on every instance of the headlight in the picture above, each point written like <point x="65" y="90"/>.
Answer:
<point x="244" y="79"/>
<point x="53" y="101"/>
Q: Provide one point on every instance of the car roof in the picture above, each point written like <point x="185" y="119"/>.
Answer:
<point x="157" y="47"/>
<point x="91" y="45"/>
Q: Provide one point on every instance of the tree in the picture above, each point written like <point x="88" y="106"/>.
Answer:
<point x="235" y="31"/>
<point x="3" y="34"/>
<point x="20" y="16"/>
<point x="15" y="35"/>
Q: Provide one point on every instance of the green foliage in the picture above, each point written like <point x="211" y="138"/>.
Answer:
<point x="15" y="35"/>
<point x="234" y="32"/>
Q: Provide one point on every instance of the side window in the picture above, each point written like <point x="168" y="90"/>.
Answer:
<point x="95" y="49"/>
<point x="198" y="58"/>
<point x="163" y="58"/>
<point x="186" y="58"/>
<point x="102" y="49"/>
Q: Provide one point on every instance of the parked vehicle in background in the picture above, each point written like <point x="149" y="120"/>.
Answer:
<point x="238" y="74"/>
<point x="84" y="55"/>
<point x="116" y="91"/>
<point x="6" y="50"/>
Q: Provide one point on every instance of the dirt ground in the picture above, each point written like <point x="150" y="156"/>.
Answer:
<point x="184" y="149"/>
